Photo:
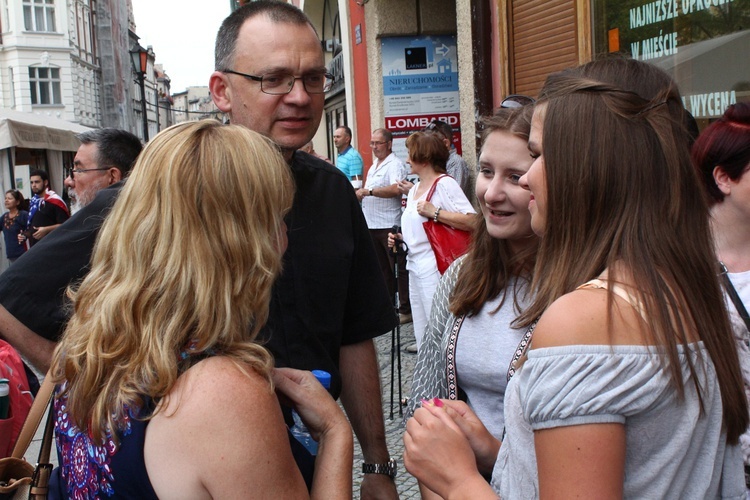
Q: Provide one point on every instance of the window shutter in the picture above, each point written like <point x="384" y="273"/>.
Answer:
<point x="544" y="39"/>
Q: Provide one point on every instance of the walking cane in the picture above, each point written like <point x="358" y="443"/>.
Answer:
<point x="396" y="332"/>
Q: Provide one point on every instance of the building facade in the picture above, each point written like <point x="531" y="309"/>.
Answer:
<point x="164" y="99"/>
<point x="49" y="63"/>
<point x="401" y="63"/>
<point x="65" y="59"/>
<point x="194" y="103"/>
<point x="505" y="47"/>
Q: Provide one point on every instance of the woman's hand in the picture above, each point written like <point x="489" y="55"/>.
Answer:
<point x="438" y="454"/>
<point x="393" y="237"/>
<point x="484" y="445"/>
<point x="318" y="410"/>
<point x="404" y="186"/>
<point x="457" y="220"/>
<point x="426" y="209"/>
<point x="327" y="424"/>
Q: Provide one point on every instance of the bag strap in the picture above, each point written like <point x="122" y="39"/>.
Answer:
<point x="434" y="185"/>
<point x="43" y="470"/>
<point x="736" y="300"/>
<point x="450" y="365"/>
<point x="521" y="350"/>
<point x="34" y="419"/>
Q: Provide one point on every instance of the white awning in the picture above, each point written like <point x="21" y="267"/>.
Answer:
<point x="29" y="130"/>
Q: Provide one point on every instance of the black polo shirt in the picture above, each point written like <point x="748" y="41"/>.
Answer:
<point x="331" y="291"/>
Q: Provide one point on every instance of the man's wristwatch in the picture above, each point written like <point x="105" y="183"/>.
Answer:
<point x="370" y="192"/>
<point x="389" y="468"/>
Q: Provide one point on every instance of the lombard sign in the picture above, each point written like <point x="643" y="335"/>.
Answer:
<point x="403" y="126"/>
<point x="420" y="84"/>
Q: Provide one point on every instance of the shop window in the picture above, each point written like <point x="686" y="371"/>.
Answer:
<point x="703" y="44"/>
<point x="45" y="85"/>
<point x="39" y="15"/>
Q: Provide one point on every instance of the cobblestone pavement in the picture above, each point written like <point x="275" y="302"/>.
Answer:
<point x="394" y="428"/>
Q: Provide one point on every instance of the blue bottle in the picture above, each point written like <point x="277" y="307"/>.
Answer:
<point x="298" y="430"/>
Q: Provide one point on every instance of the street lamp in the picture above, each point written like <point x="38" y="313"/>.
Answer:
<point x="139" y="58"/>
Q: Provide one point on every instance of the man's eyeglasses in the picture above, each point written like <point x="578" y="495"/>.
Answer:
<point x="282" y="83"/>
<point x="71" y="172"/>
<point x="517" y="101"/>
<point x="377" y="143"/>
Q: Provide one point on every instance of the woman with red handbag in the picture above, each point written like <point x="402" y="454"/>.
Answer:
<point x="436" y="208"/>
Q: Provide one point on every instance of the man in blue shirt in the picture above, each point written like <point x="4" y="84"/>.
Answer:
<point x="349" y="160"/>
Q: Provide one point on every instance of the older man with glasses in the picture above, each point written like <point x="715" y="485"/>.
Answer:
<point x="330" y="301"/>
<point x="33" y="312"/>
<point x="381" y="204"/>
<point x="103" y="159"/>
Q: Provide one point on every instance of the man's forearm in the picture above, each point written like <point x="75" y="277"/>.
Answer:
<point x="41" y="232"/>
<point x="361" y="397"/>
<point x="36" y="349"/>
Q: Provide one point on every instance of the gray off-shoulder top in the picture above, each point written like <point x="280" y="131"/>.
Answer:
<point x="672" y="449"/>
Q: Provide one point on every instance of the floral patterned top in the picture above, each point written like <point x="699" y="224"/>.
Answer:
<point x="89" y="470"/>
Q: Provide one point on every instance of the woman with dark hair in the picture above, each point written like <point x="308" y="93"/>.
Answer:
<point x="631" y="386"/>
<point x="722" y="156"/>
<point x="14" y="221"/>
<point x="448" y="205"/>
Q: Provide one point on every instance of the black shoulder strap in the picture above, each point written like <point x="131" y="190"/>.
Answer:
<point x="734" y="296"/>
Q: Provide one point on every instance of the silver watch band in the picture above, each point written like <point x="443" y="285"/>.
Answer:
<point x="389" y="468"/>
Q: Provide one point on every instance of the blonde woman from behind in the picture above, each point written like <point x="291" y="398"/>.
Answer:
<point x="162" y="390"/>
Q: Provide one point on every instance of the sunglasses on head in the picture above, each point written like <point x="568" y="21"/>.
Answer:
<point x="517" y="101"/>
<point x="434" y="127"/>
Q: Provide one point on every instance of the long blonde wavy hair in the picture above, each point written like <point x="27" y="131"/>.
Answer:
<point x="188" y="255"/>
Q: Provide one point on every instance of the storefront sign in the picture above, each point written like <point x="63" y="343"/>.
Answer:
<point x="336" y="68"/>
<point x="703" y="44"/>
<point x="420" y="84"/>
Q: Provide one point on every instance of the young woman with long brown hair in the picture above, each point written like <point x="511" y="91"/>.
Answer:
<point x="469" y="339"/>
<point x="632" y="386"/>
